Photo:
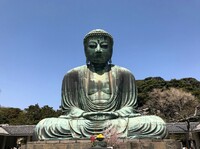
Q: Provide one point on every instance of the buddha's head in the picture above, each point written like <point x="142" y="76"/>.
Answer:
<point x="98" y="45"/>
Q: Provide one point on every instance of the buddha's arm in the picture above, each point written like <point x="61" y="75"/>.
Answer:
<point x="73" y="113"/>
<point x="71" y="96"/>
<point x="129" y="96"/>
<point x="127" y="112"/>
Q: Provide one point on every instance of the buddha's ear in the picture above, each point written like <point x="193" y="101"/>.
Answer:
<point x="110" y="61"/>
<point x="87" y="61"/>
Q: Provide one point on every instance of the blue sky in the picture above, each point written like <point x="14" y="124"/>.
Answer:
<point x="40" y="40"/>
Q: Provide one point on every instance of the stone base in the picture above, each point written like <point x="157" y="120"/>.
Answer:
<point x="86" y="144"/>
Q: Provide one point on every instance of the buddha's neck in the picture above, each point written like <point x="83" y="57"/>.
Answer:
<point x="99" y="68"/>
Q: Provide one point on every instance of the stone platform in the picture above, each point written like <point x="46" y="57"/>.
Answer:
<point x="86" y="144"/>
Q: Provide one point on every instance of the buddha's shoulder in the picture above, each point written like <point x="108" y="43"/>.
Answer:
<point x="77" y="69"/>
<point x="121" y="69"/>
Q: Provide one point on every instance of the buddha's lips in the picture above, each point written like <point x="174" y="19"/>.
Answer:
<point x="98" y="55"/>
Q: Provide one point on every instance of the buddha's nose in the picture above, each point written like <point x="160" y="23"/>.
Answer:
<point x="98" y="49"/>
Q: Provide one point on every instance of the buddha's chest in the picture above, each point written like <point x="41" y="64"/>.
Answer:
<point x="99" y="83"/>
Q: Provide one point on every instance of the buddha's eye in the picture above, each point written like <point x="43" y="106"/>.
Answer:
<point x="92" y="45"/>
<point x="104" y="45"/>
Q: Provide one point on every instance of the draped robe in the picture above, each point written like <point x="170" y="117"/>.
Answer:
<point x="75" y="101"/>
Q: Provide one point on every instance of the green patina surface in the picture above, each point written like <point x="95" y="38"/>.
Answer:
<point x="98" y="97"/>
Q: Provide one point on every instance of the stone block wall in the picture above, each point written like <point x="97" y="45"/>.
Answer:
<point x="86" y="144"/>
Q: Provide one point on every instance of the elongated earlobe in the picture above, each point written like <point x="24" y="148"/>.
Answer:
<point x="110" y="61"/>
<point x="87" y="62"/>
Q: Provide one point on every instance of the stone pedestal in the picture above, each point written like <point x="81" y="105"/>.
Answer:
<point x="86" y="144"/>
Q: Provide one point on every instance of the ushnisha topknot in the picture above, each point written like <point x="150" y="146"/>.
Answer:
<point x="97" y="32"/>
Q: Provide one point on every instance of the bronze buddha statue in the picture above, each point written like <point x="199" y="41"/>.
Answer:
<point x="99" y="95"/>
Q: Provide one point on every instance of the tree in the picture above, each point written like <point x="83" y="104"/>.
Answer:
<point x="47" y="111"/>
<point x="147" y="85"/>
<point x="29" y="116"/>
<point x="9" y="115"/>
<point x="171" y="104"/>
<point x="33" y="114"/>
<point x="3" y="118"/>
<point x="187" y="84"/>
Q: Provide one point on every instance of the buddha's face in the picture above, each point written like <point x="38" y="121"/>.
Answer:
<point x="98" y="49"/>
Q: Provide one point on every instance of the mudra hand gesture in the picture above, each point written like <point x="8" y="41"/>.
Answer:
<point x="99" y="116"/>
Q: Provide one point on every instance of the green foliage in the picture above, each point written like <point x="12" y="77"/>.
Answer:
<point x="33" y="114"/>
<point x="9" y="115"/>
<point x="29" y="116"/>
<point x="48" y="112"/>
<point x="188" y="84"/>
<point x="147" y="85"/>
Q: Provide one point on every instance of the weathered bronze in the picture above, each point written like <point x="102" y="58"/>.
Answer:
<point x="99" y="96"/>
